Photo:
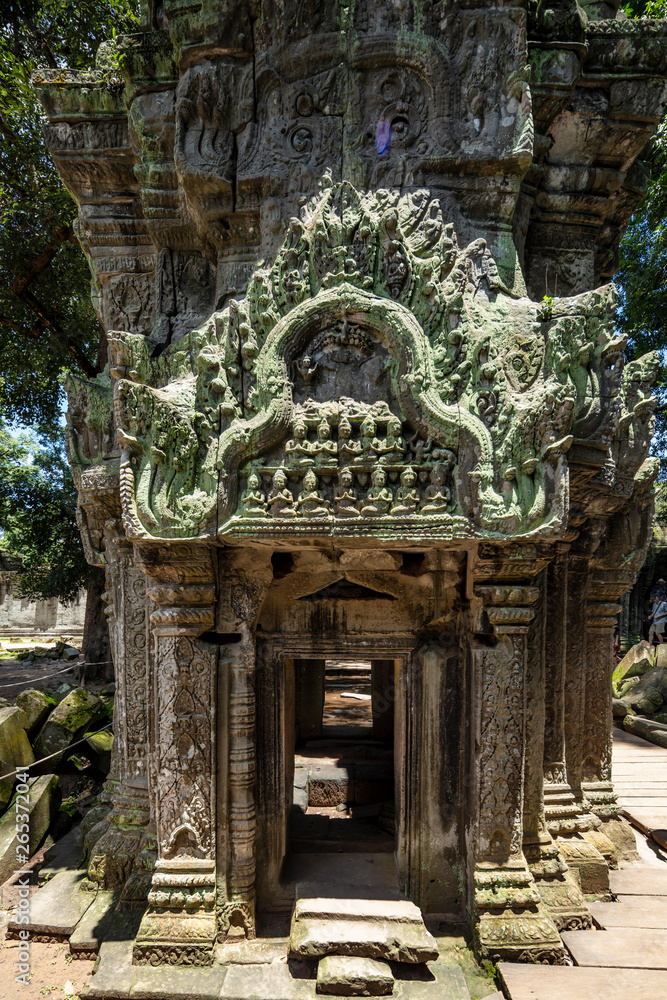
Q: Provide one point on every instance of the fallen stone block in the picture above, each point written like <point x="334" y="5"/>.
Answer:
<point x="619" y="708"/>
<point x="40" y="805"/>
<point x="75" y="713"/>
<point x="57" y="907"/>
<point x="64" y="855"/>
<point x="328" y="785"/>
<point x="99" y="749"/>
<point x="645" y="699"/>
<point x="341" y="975"/>
<point x="35" y="705"/>
<point x="638" y="660"/>
<point x="15" y="749"/>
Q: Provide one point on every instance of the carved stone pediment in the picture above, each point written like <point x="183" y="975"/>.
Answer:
<point x="376" y="378"/>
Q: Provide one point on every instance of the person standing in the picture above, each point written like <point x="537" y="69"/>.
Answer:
<point x="657" y="619"/>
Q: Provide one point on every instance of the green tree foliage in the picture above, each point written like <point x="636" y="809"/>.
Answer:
<point x="47" y="323"/>
<point x="38" y="503"/>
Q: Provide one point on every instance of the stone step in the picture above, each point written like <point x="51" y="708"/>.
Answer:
<point x="352" y="921"/>
<point x="344" y="906"/>
<point x="331" y="784"/>
<point x="343" y="975"/>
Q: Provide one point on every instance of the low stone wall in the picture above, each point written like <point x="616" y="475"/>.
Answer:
<point x="21" y="616"/>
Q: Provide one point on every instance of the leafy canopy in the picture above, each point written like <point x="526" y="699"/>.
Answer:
<point x="38" y="502"/>
<point x="47" y="323"/>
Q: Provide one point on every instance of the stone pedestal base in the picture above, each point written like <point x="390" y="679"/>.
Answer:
<point x="510" y="921"/>
<point x="112" y="857"/>
<point x="604" y="845"/>
<point x="172" y="937"/>
<point x="559" y="889"/>
<point x="583" y="858"/>
<point x="562" y="813"/>
<point x="136" y="889"/>
<point x="619" y="832"/>
<point x="179" y="927"/>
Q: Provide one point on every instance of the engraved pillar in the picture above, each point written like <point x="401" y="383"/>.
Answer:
<point x="578" y="850"/>
<point x="549" y="801"/>
<point x="113" y="855"/>
<point x="596" y="766"/>
<point x="236" y="873"/>
<point x="179" y="925"/>
<point x="511" y="922"/>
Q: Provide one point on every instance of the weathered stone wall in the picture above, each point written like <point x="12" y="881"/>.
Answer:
<point x="20" y="616"/>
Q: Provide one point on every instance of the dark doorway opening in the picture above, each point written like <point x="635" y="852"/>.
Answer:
<point x="343" y="795"/>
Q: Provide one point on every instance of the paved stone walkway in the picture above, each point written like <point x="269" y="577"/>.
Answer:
<point x="626" y="955"/>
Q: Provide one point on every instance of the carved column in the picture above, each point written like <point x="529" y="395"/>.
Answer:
<point x="236" y="874"/>
<point x="578" y="851"/>
<point x="596" y="750"/>
<point x="511" y="922"/>
<point x="549" y="801"/>
<point x="179" y="925"/>
<point x="113" y="855"/>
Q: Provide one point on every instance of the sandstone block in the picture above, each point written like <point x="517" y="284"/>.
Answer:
<point x="72" y="716"/>
<point x="99" y="749"/>
<point x="638" y="660"/>
<point x="40" y="808"/>
<point x="619" y="708"/>
<point x="341" y="975"/>
<point x="328" y="785"/>
<point x="15" y="750"/>
<point x="35" y="705"/>
<point x="384" y="939"/>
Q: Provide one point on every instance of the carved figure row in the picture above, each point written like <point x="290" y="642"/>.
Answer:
<point x="379" y="500"/>
<point x="370" y="447"/>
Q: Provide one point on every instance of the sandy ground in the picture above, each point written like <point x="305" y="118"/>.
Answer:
<point x="17" y="675"/>
<point x="54" y="973"/>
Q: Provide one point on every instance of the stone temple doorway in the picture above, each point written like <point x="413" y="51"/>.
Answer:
<point x="344" y="774"/>
<point x="353" y="623"/>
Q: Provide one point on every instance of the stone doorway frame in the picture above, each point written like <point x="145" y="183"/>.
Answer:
<point x="275" y="746"/>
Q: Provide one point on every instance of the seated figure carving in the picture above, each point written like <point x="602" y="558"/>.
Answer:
<point x="379" y="498"/>
<point x="368" y="440"/>
<point x="324" y="449"/>
<point x="280" y="500"/>
<point x="253" y="500"/>
<point x="437" y="496"/>
<point x="299" y="450"/>
<point x="391" y="447"/>
<point x="345" y="497"/>
<point x="407" y="497"/>
<point x="311" y="503"/>
<point x="348" y="449"/>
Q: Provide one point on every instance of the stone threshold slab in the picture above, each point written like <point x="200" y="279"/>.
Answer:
<point x="631" y="911"/>
<point x="57" y="907"/>
<point x="622" y="948"/>
<point x="561" y="982"/>
<point x="117" y="979"/>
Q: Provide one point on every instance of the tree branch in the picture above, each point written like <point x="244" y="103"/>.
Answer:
<point x="63" y="234"/>
<point x="51" y="323"/>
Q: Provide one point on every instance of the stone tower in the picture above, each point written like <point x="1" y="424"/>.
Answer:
<point x="365" y="399"/>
